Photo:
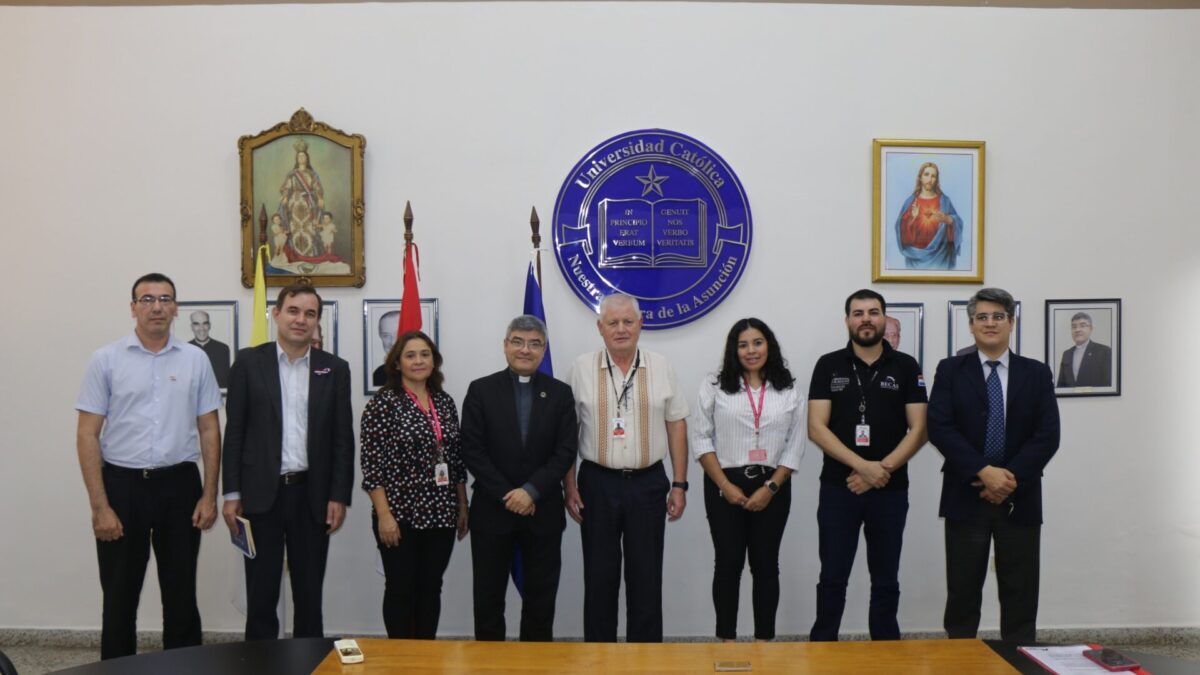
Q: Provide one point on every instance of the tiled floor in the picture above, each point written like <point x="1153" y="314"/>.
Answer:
<point x="32" y="660"/>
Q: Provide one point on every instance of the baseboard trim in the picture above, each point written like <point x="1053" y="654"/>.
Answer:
<point x="152" y="640"/>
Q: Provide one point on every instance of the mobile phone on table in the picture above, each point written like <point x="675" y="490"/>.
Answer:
<point x="348" y="651"/>
<point x="1111" y="659"/>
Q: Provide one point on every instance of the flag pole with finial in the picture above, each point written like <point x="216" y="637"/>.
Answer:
<point x="410" y="301"/>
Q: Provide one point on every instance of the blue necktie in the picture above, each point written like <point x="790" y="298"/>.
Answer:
<point x="993" y="440"/>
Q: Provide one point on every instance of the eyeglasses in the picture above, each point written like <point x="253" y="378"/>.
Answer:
<point x="520" y="343"/>
<point x="149" y="300"/>
<point x="994" y="316"/>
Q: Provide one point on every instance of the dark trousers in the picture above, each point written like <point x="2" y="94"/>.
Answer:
<point x="1017" y="570"/>
<point x="736" y="532"/>
<point x="413" y="569"/>
<point x="491" y="560"/>
<point x="289" y="524"/>
<point x="155" y="511"/>
<point x="881" y="515"/>
<point x="623" y="511"/>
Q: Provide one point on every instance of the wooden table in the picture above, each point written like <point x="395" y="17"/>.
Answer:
<point x="953" y="657"/>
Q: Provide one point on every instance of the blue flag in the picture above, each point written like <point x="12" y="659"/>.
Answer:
<point x="533" y="307"/>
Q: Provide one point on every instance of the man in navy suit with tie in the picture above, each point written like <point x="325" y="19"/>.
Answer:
<point x="994" y="417"/>
<point x="290" y="465"/>
<point x="1086" y="363"/>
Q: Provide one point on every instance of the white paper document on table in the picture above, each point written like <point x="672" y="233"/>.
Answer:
<point x="1067" y="660"/>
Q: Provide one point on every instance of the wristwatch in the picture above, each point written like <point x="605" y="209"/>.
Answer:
<point x="772" y="486"/>
<point x="681" y="484"/>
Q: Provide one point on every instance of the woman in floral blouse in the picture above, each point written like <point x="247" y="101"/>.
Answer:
<point x="413" y="471"/>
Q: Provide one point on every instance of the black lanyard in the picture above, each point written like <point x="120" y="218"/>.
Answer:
<point x="862" y="392"/>
<point x="628" y="382"/>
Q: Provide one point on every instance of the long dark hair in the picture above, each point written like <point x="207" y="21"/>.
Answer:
<point x="774" y="371"/>
<point x="395" y="381"/>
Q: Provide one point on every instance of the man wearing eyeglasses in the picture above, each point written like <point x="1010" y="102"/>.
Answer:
<point x="519" y="436"/>
<point x="147" y="413"/>
<point x="994" y="417"/>
<point x="1086" y="363"/>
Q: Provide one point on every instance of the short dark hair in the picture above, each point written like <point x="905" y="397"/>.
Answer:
<point x="866" y="294"/>
<point x="527" y="322"/>
<point x="775" y="370"/>
<point x="297" y="289"/>
<point x="151" y="278"/>
<point x="1082" y="315"/>
<point x="395" y="381"/>
<point x="996" y="295"/>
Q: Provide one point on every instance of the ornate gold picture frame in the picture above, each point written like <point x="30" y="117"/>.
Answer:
<point x="302" y="196"/>
<point x="928" y="211"/>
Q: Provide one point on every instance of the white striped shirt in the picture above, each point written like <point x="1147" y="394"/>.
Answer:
<point x="725" y="425"/>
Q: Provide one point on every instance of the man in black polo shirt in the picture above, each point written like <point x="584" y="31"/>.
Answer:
<point x="866" y="411"/>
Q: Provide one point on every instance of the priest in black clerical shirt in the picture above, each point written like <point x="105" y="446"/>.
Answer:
<point x="519" y="438"/>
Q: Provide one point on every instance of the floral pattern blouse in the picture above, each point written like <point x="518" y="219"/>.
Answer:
<point x="399" y="454"/>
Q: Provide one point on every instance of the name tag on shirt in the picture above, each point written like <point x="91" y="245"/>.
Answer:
<point x="862" y="435"/>
<point x="617" y="433"/>
<point x="441" y="474"/>
<point x="758" y="455"/>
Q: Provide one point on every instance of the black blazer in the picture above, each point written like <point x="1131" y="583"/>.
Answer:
<point x="958" y="422"/>
<point x="499" y="462"/>
<point x="1095" y="370"/>
<point x="253" y="430"/>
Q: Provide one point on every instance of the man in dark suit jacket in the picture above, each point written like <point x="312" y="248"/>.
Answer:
<point x="1094" y="368"/>
<point x="519" y="438"/>
<point x="994" y="417"/>
<point x="290" y="464"/>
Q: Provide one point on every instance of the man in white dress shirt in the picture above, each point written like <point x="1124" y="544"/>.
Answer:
<point x="631" y="415"/>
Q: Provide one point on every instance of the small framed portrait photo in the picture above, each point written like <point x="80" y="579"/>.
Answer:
<point x="326" y="337"/>
<point x="928" y="211"/>
<point x="213" y="327"/>
<point x="381" y="325"/>
<point x="905" y="329"/>
<point x="1083" y="346"/>
<point x="960" y="340"/>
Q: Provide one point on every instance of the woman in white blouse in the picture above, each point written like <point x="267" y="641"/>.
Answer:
<point x="749" y="438"/>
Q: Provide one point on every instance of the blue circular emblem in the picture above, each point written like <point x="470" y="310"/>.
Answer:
<point x="657" y="215"/>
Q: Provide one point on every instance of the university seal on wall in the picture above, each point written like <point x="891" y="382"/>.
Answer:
<point x="657" y="215"/>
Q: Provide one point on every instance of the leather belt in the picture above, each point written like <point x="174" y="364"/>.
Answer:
<point x="626" y="473"/>
<point x="151" y="472"/>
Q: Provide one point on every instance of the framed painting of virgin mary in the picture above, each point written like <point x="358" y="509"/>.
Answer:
<point x="302" y="198"/>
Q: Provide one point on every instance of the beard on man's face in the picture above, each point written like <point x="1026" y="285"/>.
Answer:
<point x="862" y="340"/>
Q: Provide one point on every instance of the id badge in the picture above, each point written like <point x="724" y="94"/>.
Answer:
<point x="862" y="435"/>
<point x="758" y="455"/>
<point x="441" y="474"/>
<point x="618" y="427"/>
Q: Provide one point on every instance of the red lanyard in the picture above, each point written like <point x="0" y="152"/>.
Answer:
<point x="430" y="415"/>
<point x="762" y="394"/>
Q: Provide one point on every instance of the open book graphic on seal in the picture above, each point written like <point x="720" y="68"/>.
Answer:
<point x="638" y="233"/>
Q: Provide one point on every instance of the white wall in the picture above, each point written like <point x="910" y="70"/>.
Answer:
<point x="121" y="158"/>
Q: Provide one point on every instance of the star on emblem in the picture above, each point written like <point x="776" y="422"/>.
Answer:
<point x="652" y="181"/>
